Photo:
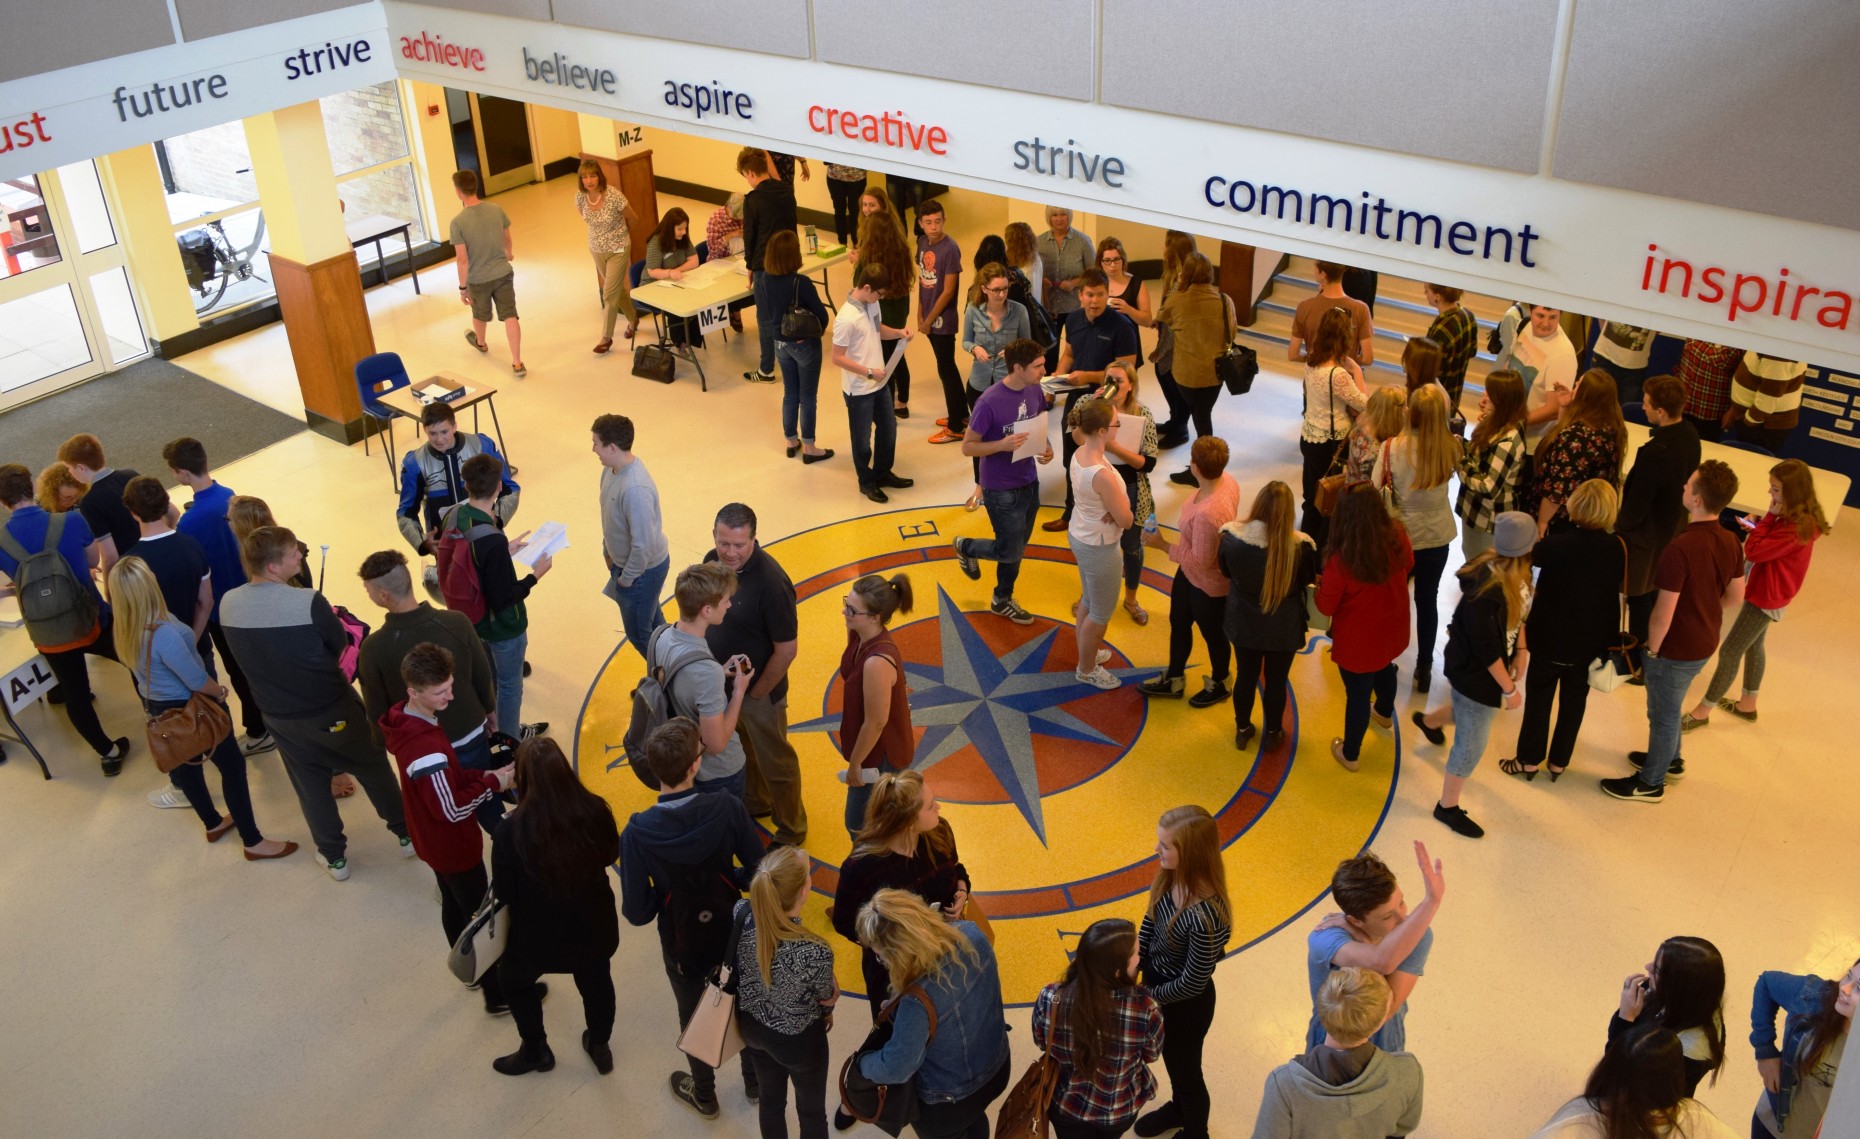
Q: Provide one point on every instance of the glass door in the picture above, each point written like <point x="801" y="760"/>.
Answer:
<point x="67" y="312"/>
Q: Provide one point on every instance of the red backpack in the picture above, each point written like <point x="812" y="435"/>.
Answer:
<point x="458" y="572"/>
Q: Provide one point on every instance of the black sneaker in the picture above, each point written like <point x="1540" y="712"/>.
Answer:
<point x="686" y="1093"/>
<point x="968" y="565"/>
<point x="1243" y="735"/>
<point x="526" y="670"/>
<point x="1012" y="611"/>
<point x="1673" y="774"/>
<point x="1435" y="736"/>
<point x="1168" y="687"/>
<point x="1631" y="789"/>
<point x="1212" y="692"/>
<point x="873" y="493"/>
<point x="1458" y="821"/>
<point x="1271" y="740"/>
<point x="531" y="731"/>
<point x="896" y="482"/>
<point x="1165" y="440"/>
<point x="1166" y="1118"/>
<point x="1639" y="679"/>
<point x="757" y="377"/>
<point x="842" y="1121"/>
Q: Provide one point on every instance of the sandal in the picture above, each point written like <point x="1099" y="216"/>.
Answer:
<point x="1556" y="772"/>
<point x="1137" y="612"/>
<point x="1513" y="767"/>
<point x="631" y="331"/>
<point x="975" y="501"/>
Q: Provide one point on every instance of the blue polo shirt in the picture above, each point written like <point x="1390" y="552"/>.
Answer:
<point x="28" y="525"/>
<point x="204" y="521"/>
<point x="1095" y="343"/>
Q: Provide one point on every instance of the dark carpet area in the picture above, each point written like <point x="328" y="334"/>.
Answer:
<point x="136" y="411"/>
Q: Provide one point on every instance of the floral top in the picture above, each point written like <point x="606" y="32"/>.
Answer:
<point x="1138" y="482"/>
<point x="845" y="173"/>
<point x="1490" y="478"/>
<point x="1577" y="454"/>
<point x="1329" y="408"/>
<point x="1360" y="459"/>
<point x="607" y="232"/>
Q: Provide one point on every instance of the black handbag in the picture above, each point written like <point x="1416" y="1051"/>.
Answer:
<point x="655" y="362"/>
<point x="889" y="1107"/>
<point x="1237" y="364"/>
<point x="798" y="323"/>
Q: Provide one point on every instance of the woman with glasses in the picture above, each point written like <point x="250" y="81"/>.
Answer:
<point x="1128" y="295"/>
<point x="990" y="323"/>
<point x="875" y="723"/>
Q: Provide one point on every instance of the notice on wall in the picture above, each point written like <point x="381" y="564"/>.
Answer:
<point x="1825" y="436"/>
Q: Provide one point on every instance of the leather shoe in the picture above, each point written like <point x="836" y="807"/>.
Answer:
<point x="601" y="1054"/>
<point x="875" y="494"/>
<point x="1055" y="525"/>
<point x="820" y="458"/>
<point x="896" y="482"/>
<point x="523" y="1060"/>
<point x="1183" y="478"/>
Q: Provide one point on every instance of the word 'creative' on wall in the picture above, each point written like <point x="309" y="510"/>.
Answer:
<point x="1460" y="237"/>
<point x="889" y="128"/>
<point x="163" y="97"/>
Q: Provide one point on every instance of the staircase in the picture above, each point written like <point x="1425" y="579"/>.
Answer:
<point x="1401" y="312"/>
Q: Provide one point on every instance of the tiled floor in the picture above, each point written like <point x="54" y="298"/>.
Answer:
<point x="161" y="986"/>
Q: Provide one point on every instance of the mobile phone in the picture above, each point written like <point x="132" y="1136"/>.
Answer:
<point x="1744" y="521"/>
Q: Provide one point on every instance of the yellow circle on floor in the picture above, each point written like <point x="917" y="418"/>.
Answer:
<point x="1053" y="787"/>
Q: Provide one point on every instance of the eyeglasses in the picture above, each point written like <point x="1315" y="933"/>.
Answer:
<point x="851" y="612"/>
<point x="994" y="288"/>
<point x="1113" y="260"/>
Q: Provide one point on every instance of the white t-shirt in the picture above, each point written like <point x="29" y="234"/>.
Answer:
<point x="855" y="331"/>
<point x="1626" y="346"/>
<point x="1547" y="366"/>
<point x="1578" y="1119"/>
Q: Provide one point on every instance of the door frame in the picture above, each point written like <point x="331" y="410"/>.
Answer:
<point x="521" y="174"/>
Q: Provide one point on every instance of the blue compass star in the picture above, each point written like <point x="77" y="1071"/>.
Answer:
<point x="997" y="704"/>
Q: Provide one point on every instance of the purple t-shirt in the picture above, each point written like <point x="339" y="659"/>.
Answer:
<point x="938" y="265"/>
<point x="993" y="419"/>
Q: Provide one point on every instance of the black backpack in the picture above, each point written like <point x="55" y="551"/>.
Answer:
<point x="1493" y="343"/>
<point x="1039" y="321"/>
<point x="694" y="922"/>
<point x="652" y="703"/>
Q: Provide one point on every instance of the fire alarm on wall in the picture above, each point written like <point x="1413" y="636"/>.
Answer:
<point x="432" y="109"/>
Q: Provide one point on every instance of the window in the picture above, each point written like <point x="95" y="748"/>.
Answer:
<point x="369" y="151"/>
<point x="27" y="241"/>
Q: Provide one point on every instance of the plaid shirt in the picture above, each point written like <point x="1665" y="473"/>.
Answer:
<point x="1122" y="1084"/>
<point x="1489" y="480"/>
<point x="1457" y="333"/>
<point x="1705" y="368"/>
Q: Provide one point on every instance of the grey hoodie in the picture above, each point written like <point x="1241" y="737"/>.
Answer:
<point x="1385" y="1100"/>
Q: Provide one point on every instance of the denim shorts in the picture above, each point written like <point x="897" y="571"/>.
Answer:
<point x="1101" y="569"/>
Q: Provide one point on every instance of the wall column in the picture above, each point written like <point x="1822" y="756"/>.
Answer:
<point x="132" y="181"/>
<point x="319" y="281"/>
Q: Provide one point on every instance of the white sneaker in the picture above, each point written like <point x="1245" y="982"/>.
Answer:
<point x="406" y="848"/>
<point x="1098" y="678"/>
<point x="255" y="745"/>
<point x="168" y="798"/>
<point x="338" y="869"/>
<point x="1104" y="655"/>
<point x="430" y="577"/>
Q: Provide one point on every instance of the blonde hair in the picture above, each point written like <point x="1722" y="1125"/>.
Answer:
<point x="1593" y="505"/>
<point x="246" y="513"/>
<point x="1431" y="448"/>
<point x="891" y="812"/>
<point x="1512" y="575"/>
<point x="1352" y="1003"/>
<point x="1199" y="869"/>
<point x="1387" y="412"/>
<point x="781" y="878"/>
<point x="135" y="595"/>
<point x="1273" y="507"/>
<point x="911" y="939"/>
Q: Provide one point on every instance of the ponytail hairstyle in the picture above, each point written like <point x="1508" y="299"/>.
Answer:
<point x="136" y="597"/>
<point x="1638" y="1084"/>
<point x="1504" y="391"/>
<point x="1800" y="506"/>
<point x="891" y="812"/>
<point x="1689" y="992"/>
<point x="1199" y="869"/>
<point x="1087" y="998"/>
<point x="911" y="939"/>
<point x="1093" y="414"/>
<point x="884" y="597"/>
<point x="1512" y="575"/>
<point x="781" y="878"/>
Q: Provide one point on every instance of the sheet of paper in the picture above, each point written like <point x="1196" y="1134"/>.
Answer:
<point x="891" y="365"/>
<point x="1130" y="432"/>
<point x="1036" y="442"/>
<point x="548" y="538"/>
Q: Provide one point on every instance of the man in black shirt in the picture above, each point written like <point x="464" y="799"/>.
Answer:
<point x="762" y="624"/>
<point x="1652" y="512"/>
<point x="767" y="208"/>
<point x="102" y="505"/>
<point x="177" y="561"/>
<point x="1096" y="336"/>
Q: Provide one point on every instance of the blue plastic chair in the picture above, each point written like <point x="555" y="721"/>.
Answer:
<point x="1740" y="445"/>
<point x="1634" y="412"/>
<point x="375" y="376"/>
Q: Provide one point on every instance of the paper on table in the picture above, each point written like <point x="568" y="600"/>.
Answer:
<point x="548" y="538"/>
<point x="1036" y="442"/>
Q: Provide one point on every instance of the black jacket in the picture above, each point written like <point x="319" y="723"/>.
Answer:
<point x="551" y="931"/>
<point x="1242" y="557"/>
<point x="1651" y="513"/>
<point x="767" y="208"/>
<point x="1576" y="611"/>
<point x="1477" y="637"/>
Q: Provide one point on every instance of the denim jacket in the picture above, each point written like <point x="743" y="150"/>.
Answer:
<point x="1800" y="997"/>
<point x="977" y="329"/>
<point x="970" y="1045"/>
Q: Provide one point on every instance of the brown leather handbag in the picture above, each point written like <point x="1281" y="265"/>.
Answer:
<point x="183" y="735"/>
<point x="1025" y="1113"/>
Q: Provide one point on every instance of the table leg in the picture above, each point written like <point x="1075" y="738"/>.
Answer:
<point x="19" y="736"/>
<point x="407" y="235"/>
<point x="491" y="402"/>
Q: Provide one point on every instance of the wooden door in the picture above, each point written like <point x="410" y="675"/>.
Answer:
<point x="635" y="181"/>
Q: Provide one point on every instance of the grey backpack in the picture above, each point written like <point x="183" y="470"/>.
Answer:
<point x="652" y="702"/>
<point x="57" y="608"/>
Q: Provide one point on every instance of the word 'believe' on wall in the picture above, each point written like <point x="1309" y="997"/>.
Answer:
<point x="556" y="71"/>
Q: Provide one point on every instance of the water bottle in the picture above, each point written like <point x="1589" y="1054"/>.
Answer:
<point x="1149" y="525"/>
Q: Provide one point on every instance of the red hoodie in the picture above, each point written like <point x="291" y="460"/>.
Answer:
<point x="440" y="796"/>
<point x="1778" y="562"/>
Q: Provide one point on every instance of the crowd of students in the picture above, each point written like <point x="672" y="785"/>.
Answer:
<point x="1563" y="558"/>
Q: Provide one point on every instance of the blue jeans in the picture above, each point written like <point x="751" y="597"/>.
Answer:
<point x="476" y="756"/>
<point x="874" y="431"/>
<point x="1361" y="689"/>
<point x="800" y="381"/>
<point x="731" y="783"/>
<point x="857" y="796"/>
<point x="1667" y="681"/>
<point x="1011" y="513"/>
<point x="1472" y="727"/>
<point x="507" y="675"/>
<point x="639" y="604"/>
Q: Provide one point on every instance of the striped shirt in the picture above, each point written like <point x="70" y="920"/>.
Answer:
<point x="1122" y="1084"/>
<point x="1769" y="390"/>
<point x="1179" y="959"/>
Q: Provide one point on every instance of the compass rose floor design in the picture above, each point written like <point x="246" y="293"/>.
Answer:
<point x="1053" y="787"/>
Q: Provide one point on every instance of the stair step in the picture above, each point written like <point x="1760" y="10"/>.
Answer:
<point x="1405" y="291"/>
<point x="1273" y="327"/>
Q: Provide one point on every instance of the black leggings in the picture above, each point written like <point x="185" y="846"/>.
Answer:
<point x="1248" y="665"/>
<point x="1185" y="1027"/>
<point x="1201" y="407"/>
<point x="779" y="1059"/>
<point x="73" y="676"/>
<point x="460" y="895"/>
<point x="595" y="980"/>
<point x="845" y="208"/>
<point x="1317" y="460"/>
<point x="955" y="403"/>
<point x="1191" y="609"/>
